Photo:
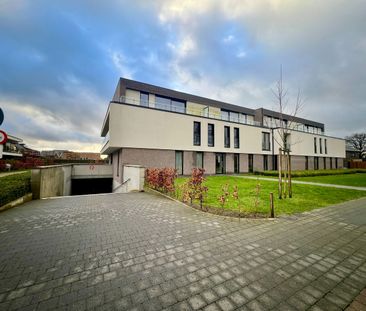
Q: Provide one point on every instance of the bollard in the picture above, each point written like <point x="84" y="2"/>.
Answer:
<point x="271" y="204"/>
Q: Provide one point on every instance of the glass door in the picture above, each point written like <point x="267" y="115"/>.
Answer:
<point x="220" y="163"/>
<point x="250" y="163"/>
<point x="179" y="162"/>
<point x="236" y="163"/>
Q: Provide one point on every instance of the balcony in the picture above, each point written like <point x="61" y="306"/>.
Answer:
<point x="295" y="127"/>
<point x="177" y="107"/>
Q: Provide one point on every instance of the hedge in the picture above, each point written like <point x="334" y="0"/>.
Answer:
<point x="14" y="186"/>
<point x="313" y="173"/>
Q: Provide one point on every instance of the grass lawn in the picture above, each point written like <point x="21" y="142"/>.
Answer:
<point x="305" y="197"/>
<point x="357" y="180"/>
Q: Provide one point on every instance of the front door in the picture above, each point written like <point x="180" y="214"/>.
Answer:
<point x="220" y="163"/>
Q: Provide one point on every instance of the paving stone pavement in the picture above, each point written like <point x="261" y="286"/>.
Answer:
<point x="141" y="251"/>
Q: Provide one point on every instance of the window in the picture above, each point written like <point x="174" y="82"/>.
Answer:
<point x="236" y="137"/>
<point x="287" y="142"/>
<point x="236" y="163"/>
<point x="325" y="163"/>
<point x="144" y="99"/>
<point x="178" y="106"/>
<point x="331" y="163"/>
<point x="320" y="146"/>
<point x="316" y="163"/>
<point x="226" y="136"/>
<point x="234" y="116"/>
<point x="199" y="159"/>
<point x="325" y="146"/>
<point x="266" y="145"/>
<point x="169" y="104"/>
<point x="265" y="162"/>
<point x="306" y="162"/>
<point x="225" y="115"/>
<point x="220" y="163"/>
<point x="197" y="133"/>
<point x="211" y="135"/>
<point x="315" y="148"/>
<point x="179" y="162"/>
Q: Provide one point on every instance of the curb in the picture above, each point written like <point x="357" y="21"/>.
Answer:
<point x="26" y="198"/>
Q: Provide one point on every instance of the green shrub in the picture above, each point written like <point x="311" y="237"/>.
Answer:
<point x="313" y="173"/>
<point x="14" y="186"/>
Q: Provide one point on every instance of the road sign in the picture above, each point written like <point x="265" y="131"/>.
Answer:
<point x="1" y="116"/>
<point x="3" y="137"/>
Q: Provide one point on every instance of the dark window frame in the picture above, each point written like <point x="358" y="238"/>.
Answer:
<point x="320" y="146"/>
<point x="196" y="133"/>
<point x="325" y="146"/>
<point x="171" y="99"/>
<point x="315" y="145"/>
<point x="264" y="146"/>
<point x="181" y="152"/>
<point x="146" y="103"/>
<point x="227" y="136"/>
<point x="211" y="144"/>
<point x="265" y="162"/>
<point x="200" y="153"/>
<point x="236" y="137"/>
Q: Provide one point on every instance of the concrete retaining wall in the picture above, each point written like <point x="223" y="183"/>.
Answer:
<point x="55" y="180"/>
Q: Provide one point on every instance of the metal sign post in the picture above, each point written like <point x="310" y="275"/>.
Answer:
<point x="3" y="139"/>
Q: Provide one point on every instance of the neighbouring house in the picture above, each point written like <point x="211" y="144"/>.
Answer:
<point x="16" y="149"/>
<point x="71" y="155"/>
<point x="159" y="127"/>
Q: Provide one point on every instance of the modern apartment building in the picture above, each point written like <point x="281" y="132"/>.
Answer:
<point x="158" y="127"/>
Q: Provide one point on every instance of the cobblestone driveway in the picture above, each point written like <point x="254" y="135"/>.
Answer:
<point x="140" y="251"/>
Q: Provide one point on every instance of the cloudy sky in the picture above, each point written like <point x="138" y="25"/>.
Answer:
<point x="60" y="60"/>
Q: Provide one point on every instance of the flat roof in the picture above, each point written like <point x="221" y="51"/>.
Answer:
<point x="124" y="84"/>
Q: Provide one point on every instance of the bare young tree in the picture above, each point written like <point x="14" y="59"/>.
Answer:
<point x="358" y="143"/>
<point x="283" y="128"/>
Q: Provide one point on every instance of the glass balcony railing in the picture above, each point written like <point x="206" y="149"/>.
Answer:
<point x="205" y="112"/>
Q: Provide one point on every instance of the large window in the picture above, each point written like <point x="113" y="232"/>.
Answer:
<point x="179" y="162"/>
<point x="316" y="163"/>
<point x="227" y="137"/>
<point x="199" y="159"/>
<point x="225" y="115"/>
<point x="325" y="146"/>
<point x="265" y="162"/>
<point x="144" y="99"/>
<point x="236" y="137"/>
<point x="315" y="147"/>
<point x="266" y="145"/>
<point x="320" y="146"/>
<point x="170" y="104"/>
<point x="306" y="162"/>
<point x="230" y="116"/>
<point x="234" y="116"/>
<point x="197" y="133"/>
<point x="236" y="163"/>
<point x="211" y="135"/>
<point x="220" y="163"/>
<point x="287" y="142"/>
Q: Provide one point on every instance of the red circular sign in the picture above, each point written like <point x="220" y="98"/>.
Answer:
<point x="3" y="137"/>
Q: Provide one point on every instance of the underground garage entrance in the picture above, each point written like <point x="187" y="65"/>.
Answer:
<point x="81" y="186"/>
